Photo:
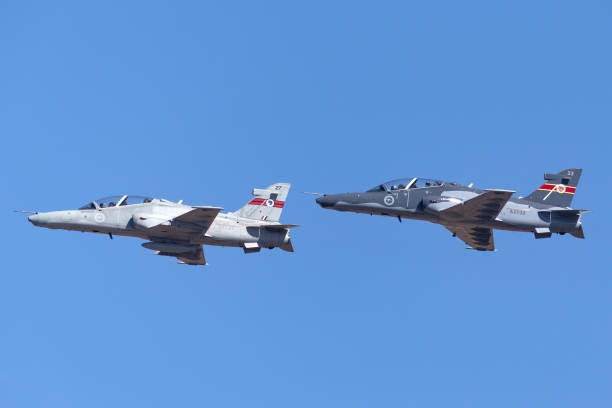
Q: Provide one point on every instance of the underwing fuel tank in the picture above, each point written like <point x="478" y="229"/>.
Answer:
<point x="168" y="247"/>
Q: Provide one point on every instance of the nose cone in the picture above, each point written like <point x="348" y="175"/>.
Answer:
<point x="326" y="201"/>
<point x="46" y="220"/>
<point x="34" y="219"/>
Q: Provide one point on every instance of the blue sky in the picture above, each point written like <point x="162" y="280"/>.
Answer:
<point x="203" y="101"/>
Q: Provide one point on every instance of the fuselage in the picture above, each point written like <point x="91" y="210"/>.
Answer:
<point x="134" y="220"/>
<point x="428" y="204"/>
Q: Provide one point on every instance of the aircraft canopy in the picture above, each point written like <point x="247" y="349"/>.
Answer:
<point x="113" y="201"/>
<point x="407" y="183"/>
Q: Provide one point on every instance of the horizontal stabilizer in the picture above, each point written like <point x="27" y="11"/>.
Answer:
<point x="569" y="212"/>
<point x="280" y="226"/>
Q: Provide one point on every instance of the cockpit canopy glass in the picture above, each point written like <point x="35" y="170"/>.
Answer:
<point x="113" y="201"/>
<point x="406" y="183"/>
<point x="421" y="182"/>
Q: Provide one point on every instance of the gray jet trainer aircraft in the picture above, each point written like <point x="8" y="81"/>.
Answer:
<point x="179" y="230"/>
<point x="468" y="213"/>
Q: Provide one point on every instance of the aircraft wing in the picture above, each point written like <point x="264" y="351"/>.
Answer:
<point x="478" y="238"/>
<point x="484" y="207"/>
<point x="201" y="216"/>
<point x="194" y="220"/>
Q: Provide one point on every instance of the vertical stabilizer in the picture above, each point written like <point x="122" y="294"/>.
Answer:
<point x="559" y="188"/>
<point x="267" y="204"/>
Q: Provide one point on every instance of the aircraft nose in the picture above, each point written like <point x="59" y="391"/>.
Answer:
<point x="326" y="201"/>
<point x="34" y="219"/>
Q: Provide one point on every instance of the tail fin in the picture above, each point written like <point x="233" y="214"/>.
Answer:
<point x="559" y="188"/>
<point x="268" y="203"/>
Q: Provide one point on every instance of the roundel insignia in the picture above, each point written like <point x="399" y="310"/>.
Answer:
<point x="389" y="200"/>
<point x="99" y="217"/>
<point x="561" y="188"/>
<point x="270" y="203"/>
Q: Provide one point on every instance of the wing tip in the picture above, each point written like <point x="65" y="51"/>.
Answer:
<point x="482" y="249"/>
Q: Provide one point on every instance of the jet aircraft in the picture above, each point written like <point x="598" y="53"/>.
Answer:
<point x="179" y="230"/>
<point x="469" y="213"/>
